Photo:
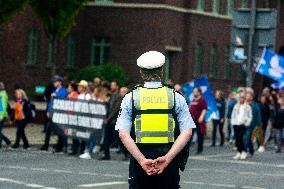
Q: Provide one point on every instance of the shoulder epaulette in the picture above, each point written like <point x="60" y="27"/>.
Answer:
<point x="135" y="87"/>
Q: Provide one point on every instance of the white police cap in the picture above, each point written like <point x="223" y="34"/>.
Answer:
<point x="151" y="60"/>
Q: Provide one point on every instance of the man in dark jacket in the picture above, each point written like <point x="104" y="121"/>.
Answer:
<point x="279" y="124"/>
<point x="256" y="120"/>
<point x="114" y="107"/>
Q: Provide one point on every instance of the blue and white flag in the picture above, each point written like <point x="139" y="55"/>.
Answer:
<point x="278" y="85"/>
<point x="271" y="65"/>
<point x="207" y="94"/>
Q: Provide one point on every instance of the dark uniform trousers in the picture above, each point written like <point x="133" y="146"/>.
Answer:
<point x="138" y="178"/>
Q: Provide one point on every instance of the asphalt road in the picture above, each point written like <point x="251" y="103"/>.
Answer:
<point x="22" y="169"/>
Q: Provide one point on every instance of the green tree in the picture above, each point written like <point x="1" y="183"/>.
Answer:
<point x="8" y="8"/>
<point x="108" y="72"/>
<point x="58" y="17"/>
<point x="115" y="72"/>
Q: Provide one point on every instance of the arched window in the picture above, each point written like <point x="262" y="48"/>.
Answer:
<point x="213" y="60"/>
<point x="50" y="56"/>
<point x="199" y="59"/>
<point x="70" y="51"/>
<point x="32" y="47"/>
<point x="227" y="64"/>
<point x="201" y="5"/>
<point x="100" y="50"/>
<point x="266" y="4"/>
<point x="230" y="7"/>
<point x="216" y="6"/>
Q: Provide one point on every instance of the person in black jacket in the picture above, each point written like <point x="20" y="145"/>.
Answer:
<point x="230" y="106"/>
<point x="21" y="116"/>
<point x="220" y="102"/>
<point x="114" y="107"/>
<point x="265" y="113"/>
<point x="279" y="124"/>
<point x="47" y="95"/>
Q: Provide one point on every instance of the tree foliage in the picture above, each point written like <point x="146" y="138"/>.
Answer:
<point x="8" y="8"/>
<point x="57" y="16"/>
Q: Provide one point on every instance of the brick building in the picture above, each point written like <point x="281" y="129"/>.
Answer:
<point x="194" y="34"/>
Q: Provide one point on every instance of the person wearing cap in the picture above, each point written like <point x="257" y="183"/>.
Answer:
<point x="3" y="113"/>
<point x="83" y="88"/>
<point x="154" y="125"/>
<point x="60" y="92"/>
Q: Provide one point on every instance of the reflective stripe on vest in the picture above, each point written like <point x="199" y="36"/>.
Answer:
<point x="154" y="121"/>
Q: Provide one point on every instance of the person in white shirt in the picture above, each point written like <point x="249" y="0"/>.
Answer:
<point x="241" y="119"/>
<point x="83" y="91"/>
<point x="99" y="94"/>
<point x="83" y="95"/>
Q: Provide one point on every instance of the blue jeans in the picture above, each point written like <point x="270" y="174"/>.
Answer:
<point x="231" y="133"/>
<point x="247" y="140"/>
<point x="91" y="145"/>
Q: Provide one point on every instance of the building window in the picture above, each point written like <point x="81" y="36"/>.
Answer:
<point x="32" y="47"/>
<point x="201" y="5"/>
<point x="266" y="4"/>
<point x="70" y="51"/>
<point x="100" y="50"/>
<point x="230" y="7"/>
<point x="50" y="56"/>
<point x="281" y="10"/>
<point x="216" y="6"/>
<point x="199" y="59"/>
<point x="244" y="3"/>
<point x="227" y="64"/>
<point x="103" y="1"/>
<point x="213" y="60"/>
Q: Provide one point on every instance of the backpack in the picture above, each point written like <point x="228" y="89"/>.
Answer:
<point x="33" y="112"/>
<point x="30" y="111"/>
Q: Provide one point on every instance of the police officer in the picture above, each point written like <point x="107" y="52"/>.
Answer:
<point x="154" y="125"/>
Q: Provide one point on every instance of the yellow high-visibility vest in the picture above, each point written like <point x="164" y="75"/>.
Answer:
<point x="153" y="112"/>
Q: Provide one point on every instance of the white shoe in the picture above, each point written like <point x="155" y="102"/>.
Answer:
<point x="261" y="149"/>
<point x="237" y="156"/>
<point x="86" y="155"/>
<point x="243" y="156"/>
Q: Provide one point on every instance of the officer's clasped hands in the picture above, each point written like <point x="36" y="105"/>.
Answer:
<point x="154" y="167"/>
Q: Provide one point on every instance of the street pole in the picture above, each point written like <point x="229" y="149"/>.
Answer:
<point x="249" y="66"/>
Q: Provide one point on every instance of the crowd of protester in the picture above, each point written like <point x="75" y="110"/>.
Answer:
<point x="248" y="117"/>
<point x="108" y="92"/>
<point x="252" y="120"/>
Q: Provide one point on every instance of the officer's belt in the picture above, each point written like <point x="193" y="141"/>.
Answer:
<point x="155" y="147"/>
